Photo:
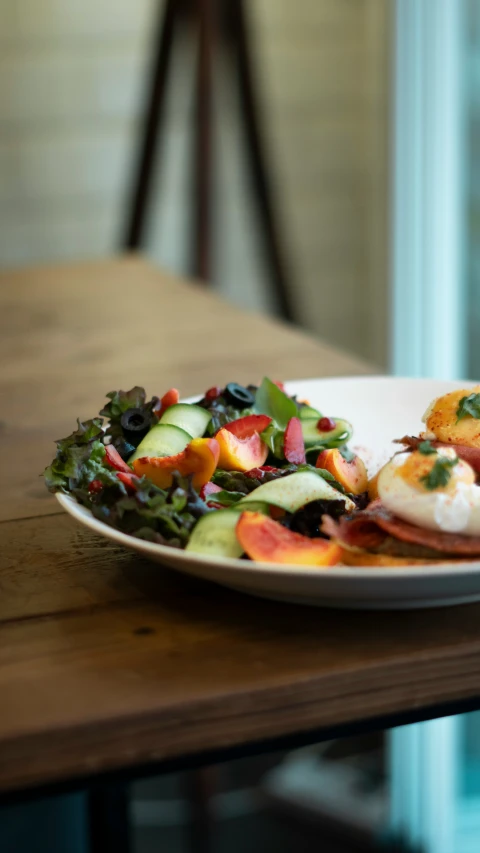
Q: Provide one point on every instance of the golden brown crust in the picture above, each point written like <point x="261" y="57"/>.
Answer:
<point x="364" y="558"/>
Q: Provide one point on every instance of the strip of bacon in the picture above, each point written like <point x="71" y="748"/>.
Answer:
<point x="369" y="528"/>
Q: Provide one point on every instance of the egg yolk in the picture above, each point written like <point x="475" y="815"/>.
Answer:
<point x="418" y="465"/>
<point x="441" y="420"/>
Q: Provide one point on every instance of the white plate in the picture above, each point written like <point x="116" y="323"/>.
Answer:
<point x="380" y="409"/>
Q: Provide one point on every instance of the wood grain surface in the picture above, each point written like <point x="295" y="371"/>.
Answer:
<point x="108" y="661"/>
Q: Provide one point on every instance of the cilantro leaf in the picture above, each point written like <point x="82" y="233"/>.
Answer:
<point x="426" y="449"/>
<point x="272" y="401"/>
<point x="440" y="474"/>
<point x="469" y="407"/>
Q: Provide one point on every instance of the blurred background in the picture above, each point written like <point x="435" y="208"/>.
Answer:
<point x="74" y="83"/>
<point x="369" y="128"/>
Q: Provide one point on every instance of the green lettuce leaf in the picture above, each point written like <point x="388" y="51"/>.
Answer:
<point x="80" y="458"/>
<point x="226" y="498"/>
<point x="159" y="515"/>
<point x="121" y="401"/>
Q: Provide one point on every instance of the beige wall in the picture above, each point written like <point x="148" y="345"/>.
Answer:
<point x="70" y="98"/>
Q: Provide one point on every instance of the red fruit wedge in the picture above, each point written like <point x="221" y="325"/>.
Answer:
<point x="293" y="444"/>
<point x="170" y="398"/>
<point x="129" y="480"/>
<point x="245" y="427"/>
<point x="114" y="459"/>
<point x="240" y="454"/>
<point x="267" y="541"/>
<point x="209" y="489"/>
<point x="351" y="474"/>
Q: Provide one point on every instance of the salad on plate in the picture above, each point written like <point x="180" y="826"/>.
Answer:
<point x="242" y="472"/>
<point x="256" y="473"/>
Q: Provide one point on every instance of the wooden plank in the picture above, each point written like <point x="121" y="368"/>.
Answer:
<point x="140" y="664"/>
<point x="53" y="565"/>
<point x="87" y="329"/>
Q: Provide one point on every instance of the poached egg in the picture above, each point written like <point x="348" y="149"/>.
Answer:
<point x="442" y="422"/>
<point x="432" y="489"/>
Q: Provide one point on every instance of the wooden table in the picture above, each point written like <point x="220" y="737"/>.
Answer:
<point x="110" y="664"/>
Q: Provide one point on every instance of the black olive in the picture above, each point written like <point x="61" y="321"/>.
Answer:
<point x="135" y="424"/>
<point x="239" y="396"/>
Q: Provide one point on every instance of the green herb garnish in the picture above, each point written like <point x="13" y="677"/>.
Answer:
<point x="426" y="449"/>
<point x="347" y="454"/>
<point x="469" y="407"/>
<point x="440" y="474"/>
<point x="272" y="401"/>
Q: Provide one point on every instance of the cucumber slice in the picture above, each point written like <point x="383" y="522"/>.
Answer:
<point x="162" y="440"/>
<point x="313" y="436"/>
<point x="294" y="491"/>
<point x="193" y="419"/>
<point x="214" y="534"/>
<point x="306" y="412"/>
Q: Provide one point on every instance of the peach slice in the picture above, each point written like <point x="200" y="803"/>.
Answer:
<point x="199" y="458"/>
<point x="267" y="541"/>
<point x="350" y="473"/>
<point x="245" y="427"/>
<point x="240" y="454"/>
<point x="373" y="487"/>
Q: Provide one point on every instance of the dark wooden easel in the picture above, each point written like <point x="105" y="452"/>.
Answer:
<point x="222" y="23"/>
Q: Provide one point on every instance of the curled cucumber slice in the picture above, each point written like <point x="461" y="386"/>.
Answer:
<point x="314" y="437"/>
<point x="306" y="413"/>
<point x="214" y="534"/>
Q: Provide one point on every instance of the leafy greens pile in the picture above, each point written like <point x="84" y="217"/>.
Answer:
<point x="167" y="516"/>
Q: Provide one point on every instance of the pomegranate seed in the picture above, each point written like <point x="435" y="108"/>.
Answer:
<point x="326" y="424"/>
<point x="213" y="392"/>
<point x="95" y="487"/>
